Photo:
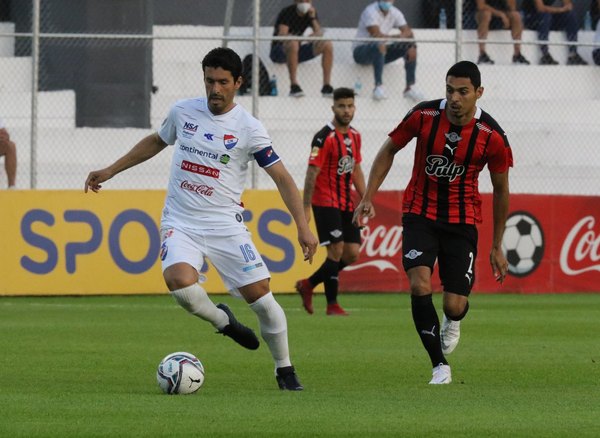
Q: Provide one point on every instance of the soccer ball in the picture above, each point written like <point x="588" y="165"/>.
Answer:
<point x="180" y="373"/>
<point x="522" y="243"/>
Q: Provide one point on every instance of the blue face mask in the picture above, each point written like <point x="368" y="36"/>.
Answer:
<point x="385" y="6"/>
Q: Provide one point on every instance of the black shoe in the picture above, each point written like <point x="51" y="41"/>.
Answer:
<point x="327" y="91"/>
<point x="520" y="59"/>
<point x="484" y="59"/>
<point x="575" y="59"/>
<point x="296" y="91"/>
<point x="547" y="59"/>
<point x="288" y="380"/>
<point x="238" y="331"/>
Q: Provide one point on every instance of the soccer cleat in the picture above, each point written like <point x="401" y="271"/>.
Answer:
<point x="336" y="310"/>
<point x="484" y="59"/>
<point x="287" y="379"/>
<point x="296" y="91"/>
<point x="441" y="375"/>
<point x="520" y="59"/>
<point x="237" y="331"/>
<point x="449" y="335"/>
<point x="304" y="288"/>
<point x="547" y="59"/>
<point x="379" y="93"/>
<point x="327" y="90"/>
<point x="575" y="59"/>
<point x="414" y="94"/>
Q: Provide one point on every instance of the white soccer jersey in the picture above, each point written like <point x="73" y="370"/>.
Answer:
<point x="372" y="16"/>
<point x="210" y="162"/>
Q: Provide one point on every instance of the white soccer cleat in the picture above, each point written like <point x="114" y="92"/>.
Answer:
<point x="379" y="93"/>
<point x="414" y="94"/>
<point x="441" y="375"/>
<point x="449" y="335"/>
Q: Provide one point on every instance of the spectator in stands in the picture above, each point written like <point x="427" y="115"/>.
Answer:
<point x="294" y="20"/>
<point x="9" y="150"/>
<point x="595" y="13"/>
<point x="543" y="16"/>
<point x="379" y="20"/>
<point x="499" y="14"/>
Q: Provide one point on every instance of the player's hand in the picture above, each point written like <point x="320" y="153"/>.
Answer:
<point x="308" y="243"/>
<point x="363" y="212"/>
<point x="499" y="264"/>
<point x="94" y="179"/>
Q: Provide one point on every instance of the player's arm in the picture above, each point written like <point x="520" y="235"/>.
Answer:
<point x="309" y="188"/>
<point x="358" y="179"/>
<point x="283" y="30"/>
<point x="291" y="197"/>
<point x="314" y="22"/>
<point x="4" y="137"/>
<point x="381" y="166"/>
<point x="500" y="213"/>
<point x="145" y="149"/>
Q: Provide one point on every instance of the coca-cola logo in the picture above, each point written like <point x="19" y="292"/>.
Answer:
<point x="200" y="189"/>
<point x="581" y="249"/>
<point x="379" y="244"/>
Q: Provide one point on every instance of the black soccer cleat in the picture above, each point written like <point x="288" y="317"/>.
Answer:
<point x="237" y="331"/>
<point x="288" y="380"/>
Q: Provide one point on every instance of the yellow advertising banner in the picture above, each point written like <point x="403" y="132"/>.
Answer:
<point x="72" y="243"/>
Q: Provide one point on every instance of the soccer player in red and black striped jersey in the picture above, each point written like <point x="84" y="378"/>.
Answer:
<point x="442" y="205"/>
<point x="333" y="169"/>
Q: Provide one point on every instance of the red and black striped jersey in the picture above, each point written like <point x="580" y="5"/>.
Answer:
<point x="335" y="154"/>
<point x="448" y="160"/>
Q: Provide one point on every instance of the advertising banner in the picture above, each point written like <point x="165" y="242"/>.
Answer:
<point x="68" y="242"/>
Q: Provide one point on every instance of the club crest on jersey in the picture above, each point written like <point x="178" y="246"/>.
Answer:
<point x="229" y="141"/>
<point x="453" y="137"/>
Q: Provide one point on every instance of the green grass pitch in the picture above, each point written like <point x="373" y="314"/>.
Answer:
<point x="526" y="366"/>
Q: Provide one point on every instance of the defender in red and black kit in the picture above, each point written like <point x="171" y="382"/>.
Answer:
<point x="441" y="205"/>
<point x="333" y="170"/>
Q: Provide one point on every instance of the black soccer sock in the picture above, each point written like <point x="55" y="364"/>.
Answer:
<point x="328" y="269"/>
<point x="331" y="289"/>
<point x="427" y="324"/>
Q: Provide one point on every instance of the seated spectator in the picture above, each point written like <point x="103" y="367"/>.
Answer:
<point x="499" y="14"/>
<point x="378" y="20"/>
<point x="9" y="150"/>
<point x="544" y="16"/>
<point x="294" y="20"/>
<point x="595" y="13"/>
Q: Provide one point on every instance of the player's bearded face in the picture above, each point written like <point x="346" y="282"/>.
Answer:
<point x="220" y="89"/>
<point x="343" y="111"/>
<point x="461" y="96"/>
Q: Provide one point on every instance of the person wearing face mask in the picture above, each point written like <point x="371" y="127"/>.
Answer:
<point x="378" y="20"/>
<point x="293" y="20"/>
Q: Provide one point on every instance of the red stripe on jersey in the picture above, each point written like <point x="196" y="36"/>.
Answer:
<point x="335" y="154"/>
<point x="448" y="160"/>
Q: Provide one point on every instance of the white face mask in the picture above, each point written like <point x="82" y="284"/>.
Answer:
<point x="303" y="8"/>
<point x="385" y="6"/>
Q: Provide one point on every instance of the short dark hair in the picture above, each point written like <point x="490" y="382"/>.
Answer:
<point x="466" y="69"/>
<point x="225" y="58"/>
<point x="343" y="93"/>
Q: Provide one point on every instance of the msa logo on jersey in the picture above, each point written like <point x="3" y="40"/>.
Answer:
<point x="189" y="129"/>
<point x="200" y="189"/>
<point x="442" y="167"/>
<point x="345" y="165"/>
<point x="229" y="141"/>
<point x="200" y="169"/>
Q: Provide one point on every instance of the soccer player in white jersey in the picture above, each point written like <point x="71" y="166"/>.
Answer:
<point x="214" y="140"/>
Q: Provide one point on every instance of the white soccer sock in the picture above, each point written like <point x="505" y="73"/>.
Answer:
<point x="273" y="328"/>
<point x="195" y="300"/>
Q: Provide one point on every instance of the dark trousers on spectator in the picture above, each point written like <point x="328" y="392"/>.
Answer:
<point x="544" y="23"/>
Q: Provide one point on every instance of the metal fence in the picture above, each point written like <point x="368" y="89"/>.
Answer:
<point x="74" y="100"/>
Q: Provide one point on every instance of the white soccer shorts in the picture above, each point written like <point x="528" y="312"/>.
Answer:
<point x="231" y="251"/>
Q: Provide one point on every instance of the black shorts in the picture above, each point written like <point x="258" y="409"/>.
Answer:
<point x="453" y="245"/>
<point x="334" y="225"/>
